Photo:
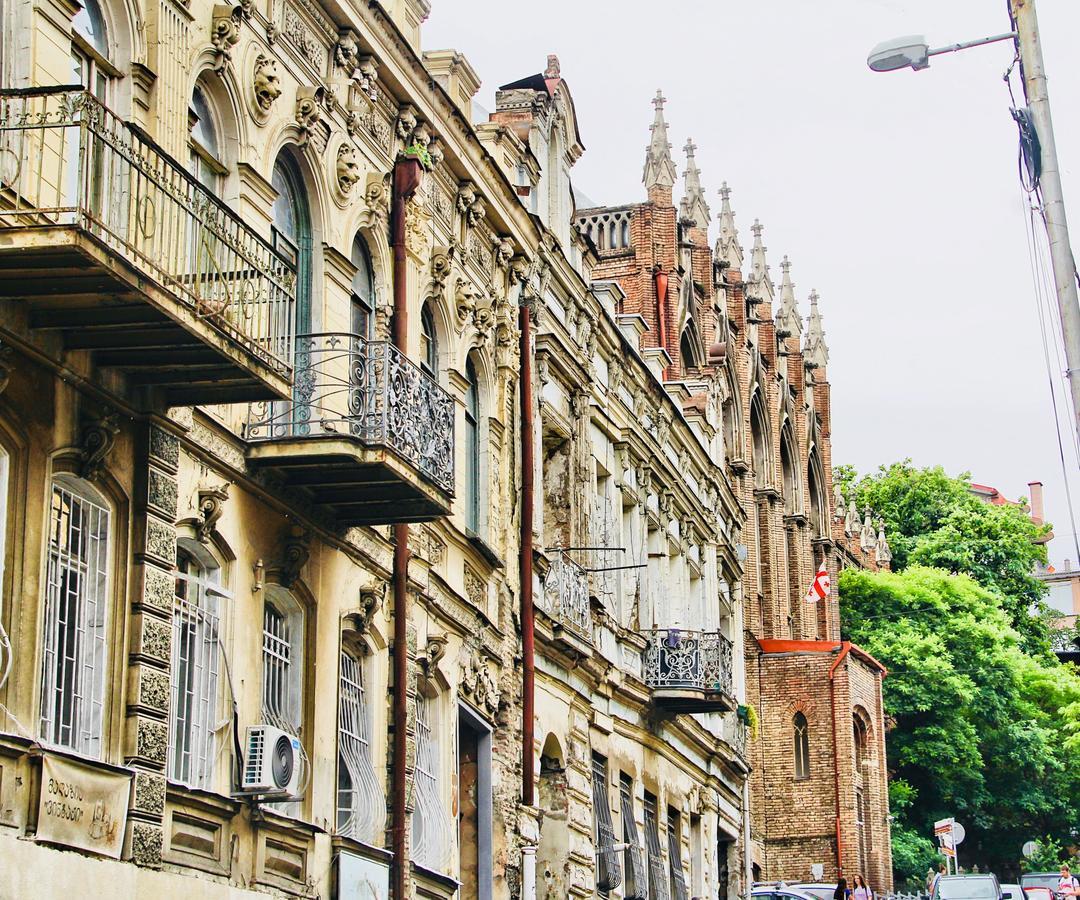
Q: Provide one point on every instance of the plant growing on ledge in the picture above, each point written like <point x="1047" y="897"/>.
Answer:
<point x="420" y="154"/>
<point x="749" y="717"/>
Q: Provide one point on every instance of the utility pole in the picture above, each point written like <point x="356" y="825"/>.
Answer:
<point x="1053" y="203"/>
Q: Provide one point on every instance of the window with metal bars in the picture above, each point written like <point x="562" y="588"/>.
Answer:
<point x="635" y="881"/>
<point x="431" y="831"/>
<point x="361" y="805"/>
<point x="675" y="863"/>
<point x="196" y="655"/>
<point x="281" y="651"/>
<point x="608" y="873"/>
<point x="76" y="611"/>
<point x="658" y="878"/>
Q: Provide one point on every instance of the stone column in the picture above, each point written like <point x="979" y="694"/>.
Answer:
<point x="146" y="737"/>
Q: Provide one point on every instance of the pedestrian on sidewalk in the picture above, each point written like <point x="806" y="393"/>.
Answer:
<point x="841" y="892"/>
<point x="942" y="870"/>
<point x="931" y="878"/>
<point x="861" y="890"/>
<point x="1068" y="886"/>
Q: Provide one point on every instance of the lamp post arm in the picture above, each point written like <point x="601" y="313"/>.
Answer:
<point x="964" y="45"/>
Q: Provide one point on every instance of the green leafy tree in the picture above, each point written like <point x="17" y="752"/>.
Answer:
<point x="932" y="519"/>
<point x="984" y="730"/>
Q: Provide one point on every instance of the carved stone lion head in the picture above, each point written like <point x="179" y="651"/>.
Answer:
<point x="267" y="84"/>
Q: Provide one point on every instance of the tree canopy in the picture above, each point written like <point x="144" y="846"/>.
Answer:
<point x="983" y="730"/>
<point x="933" y="519"/>
<point x="985" y="720"/>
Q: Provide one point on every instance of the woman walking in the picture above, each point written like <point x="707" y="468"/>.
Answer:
<point x="862" y="889"/>
<point x="841" y="892"/>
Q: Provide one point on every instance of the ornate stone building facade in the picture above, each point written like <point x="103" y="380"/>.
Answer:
<point x="724" y="337"/>
<point x="261" y="487"/>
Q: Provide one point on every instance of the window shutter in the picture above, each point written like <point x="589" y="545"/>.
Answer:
<point x="636" y="885"/>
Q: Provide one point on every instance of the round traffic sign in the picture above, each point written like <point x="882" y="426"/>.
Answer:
<point x="958" y="833"/>
<point x="1029" y="849"/>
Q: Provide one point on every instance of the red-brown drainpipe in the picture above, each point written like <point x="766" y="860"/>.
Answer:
<point x="407" y="174"/>
<point x="845" y="649"/>
<point x="528" y="671"/>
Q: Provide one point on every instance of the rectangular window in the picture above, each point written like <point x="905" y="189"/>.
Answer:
<point x="361" y="805"/>
<point x="675" y="863"/>
<point x="658" y="878"/>
<point x="430" y="822"/>
<point x="635" y="886"/>
<point x="608" y="874"/>
<point x="195" y="672"/>
<point x="76" y="607"/>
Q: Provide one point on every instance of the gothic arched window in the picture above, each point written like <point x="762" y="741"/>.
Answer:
<point x="802" y="745"/>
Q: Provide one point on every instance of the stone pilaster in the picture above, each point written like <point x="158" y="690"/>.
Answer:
<point x="146" y="740"/>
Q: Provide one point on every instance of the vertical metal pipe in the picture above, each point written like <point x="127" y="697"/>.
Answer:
<point x="406" y="181"/>
<point x="528" y="671"/>
<point x="845" y="649"/>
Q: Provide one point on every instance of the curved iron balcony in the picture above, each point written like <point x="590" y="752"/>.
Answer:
<point x="689" y="670"/>
<point x="565" y="598"/>
<point x="114" y="246"/>
<point x="368" y="434"/>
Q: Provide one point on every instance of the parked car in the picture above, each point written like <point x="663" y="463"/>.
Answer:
<point x="1012" y="892"/>
<point x="780" y="891"/>
<point x="967" y="887"/>
<point x="1039" y="893"/>
<point x="1048" y="880"/>
<point x="820" y="889"/>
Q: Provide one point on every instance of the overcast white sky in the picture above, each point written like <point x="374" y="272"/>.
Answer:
<point x="895" y="195"/>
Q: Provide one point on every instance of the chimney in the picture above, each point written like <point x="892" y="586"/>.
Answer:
<point x="1035" y="499"/>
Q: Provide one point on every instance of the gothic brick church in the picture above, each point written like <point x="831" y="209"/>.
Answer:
<point x="717" y="324"/>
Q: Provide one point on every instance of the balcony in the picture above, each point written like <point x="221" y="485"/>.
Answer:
<point x="109" y="246"/>
<point x="689" y="671"/>
<point x="565" y="600"/>
<point x="368" y="436"/>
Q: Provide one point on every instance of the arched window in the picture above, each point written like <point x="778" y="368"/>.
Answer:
<point x="625" y="236"/>
<point x="802" y="746"/>
<point x="360" y="802"/>
<point x="429" y="343"/>
<point x="787" y="471"/>
<point x="759" y="442"/>
<point x="815" y="481"/>
<point x="204" y="147"/>
<point x="90" y="50"/>
<point x="472" y="448"/>
<point x="431" y="832"/>
<point x="613" y="241"/>
<point x="76" y="614"/>
<point x="196" y="656"/>
<point x="292" y="234"/>
<point x="363" y="290"/>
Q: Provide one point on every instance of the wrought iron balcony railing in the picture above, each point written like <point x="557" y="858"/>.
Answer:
<point x="68" y="161"/>
<point x="566" y="596"/>
<point x="676" y="659"/>
<point x="348" y="386"/>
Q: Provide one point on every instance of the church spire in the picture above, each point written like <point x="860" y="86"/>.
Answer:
<point x="659" y="169"/>
<point x="693" y="207"/>
<point x="815" y="350"/>
<point x="727" y="244"/>
<point x="788" y="321"/>
<point x="760" y="285"/>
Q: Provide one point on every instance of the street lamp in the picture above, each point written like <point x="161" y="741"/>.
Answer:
<point x="913" y="51"/>
<point x="899" y="53"/>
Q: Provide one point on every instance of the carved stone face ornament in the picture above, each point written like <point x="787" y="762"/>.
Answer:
<point x="347" y="51"/>
<point x="348" y="170"/>
<point x="267" y="84"/>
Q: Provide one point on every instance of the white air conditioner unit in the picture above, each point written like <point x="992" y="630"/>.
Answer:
<point x="273" y="763"/>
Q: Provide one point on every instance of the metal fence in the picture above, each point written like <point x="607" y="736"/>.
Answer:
<point x="566" y="595"/>
<point x="66" y="160"/>
<point x="676" y="658"/>
<point x="346" y="385"/>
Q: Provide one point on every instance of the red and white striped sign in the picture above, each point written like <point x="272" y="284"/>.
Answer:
<point x="819" y="590"/>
